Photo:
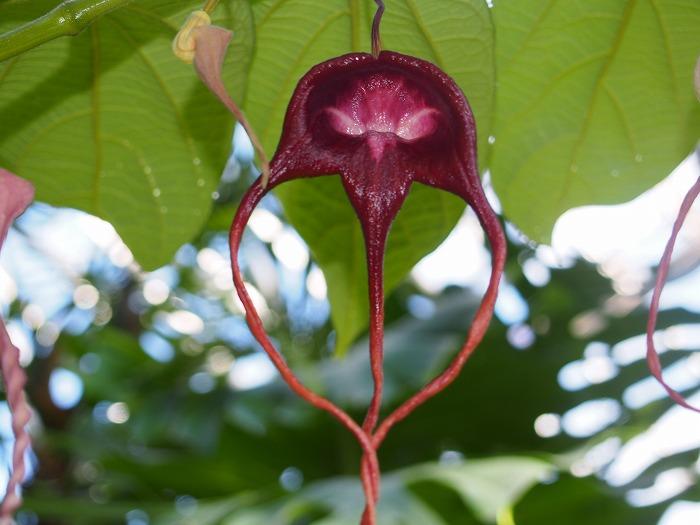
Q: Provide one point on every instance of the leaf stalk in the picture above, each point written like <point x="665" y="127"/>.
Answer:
<point x="210" y="5"/>
<point x="66" y="19"/>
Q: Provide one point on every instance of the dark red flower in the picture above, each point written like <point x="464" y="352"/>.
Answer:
<point x="381" y="121"/>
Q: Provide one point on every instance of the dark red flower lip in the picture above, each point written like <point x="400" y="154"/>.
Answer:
<point x="382" y="109"/>
<point x="409" y="126"/>
<point x="358" y="93"/>
<point x="382" y="103"/>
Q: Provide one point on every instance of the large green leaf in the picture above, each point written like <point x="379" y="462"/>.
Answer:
<point x="293" y="35"/>
<point x="112" y="123"/>
<point x="595" y="102"/>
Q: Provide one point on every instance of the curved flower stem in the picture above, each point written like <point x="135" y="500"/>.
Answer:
<point x="376" y="37"/>
<point x="480" y="323"/>
<point x="66" y="19"/>
<point x="664" y="265"/>
<point x="370" y="473"/>
<point x="375" y="241"/>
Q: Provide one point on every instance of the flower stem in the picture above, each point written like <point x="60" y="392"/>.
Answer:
<point x="210" y="5"/>
<point x="370" y="463"/>
<point x="664" y="266"/>
<point x="376" y="38"/>
<point x="67" y="19"/>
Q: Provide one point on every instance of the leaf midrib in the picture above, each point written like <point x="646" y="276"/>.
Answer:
<point x="410" y="4"/>
<point x="95" y="116"/>
<point x="669" y="55"/>
<point x="597" y="89"/>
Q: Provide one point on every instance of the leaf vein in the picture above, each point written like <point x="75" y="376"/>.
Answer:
<point x="623" y="117"/>
<point x="599" y="83"/>
<point x="95" y="106"/>
<point x="667" y="48"/>
<point x="148" y="14"/>
<point x="420" y="23"/>
<point x="182" y="125"/>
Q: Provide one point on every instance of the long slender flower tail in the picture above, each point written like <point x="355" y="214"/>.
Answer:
<point x="491" y="225"/>
<point x="375" y="226"/>
<point x="15" y="195"/>
<point x="370" y="463"/>
<point x="205" y="45"/>
<point x="664" y="266"/>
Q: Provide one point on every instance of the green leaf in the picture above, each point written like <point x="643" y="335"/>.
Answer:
<point x="595" y="102"/>
<point x="491" y="485"/>
<point x="80" y="511"/>
<point x="110" y="122"/>
<point x="577" y="501"/>
<point x="293" y="35"/>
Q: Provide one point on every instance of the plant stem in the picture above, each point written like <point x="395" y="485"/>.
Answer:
<point x="67" y="19"/>
<point x="210" y="5"/>
<point x="370" y="463"/>
<point x="664" y="266"/>
<point x="376" y="38"/>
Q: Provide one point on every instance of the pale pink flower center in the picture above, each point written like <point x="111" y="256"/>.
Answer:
<point x="383" y="105"/>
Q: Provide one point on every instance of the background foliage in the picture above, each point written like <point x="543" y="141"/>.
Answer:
<point x="576" y="103"/>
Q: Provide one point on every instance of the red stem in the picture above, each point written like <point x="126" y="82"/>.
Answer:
<point x="375" y="238"/>
<point x="375" y="233"/>
<point x="375" y="271"/>
<point x="492" y="227"/>
<point x="371" y="466"/>
<point x="376" y="37"/>
<point x="662" y="275"/>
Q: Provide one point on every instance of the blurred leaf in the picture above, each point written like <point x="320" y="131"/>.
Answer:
<point x="205" y="513"/>
<point x="595" y="102"/>
<point x="228" y="448"/>
<point x="81" y="511"/>
<point x="489" y="486"/>
<point x="112" y="123"/>
<point x="492" y="406"/>
<point x="294" y="35"/>
<point x="577" y="501"/>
